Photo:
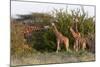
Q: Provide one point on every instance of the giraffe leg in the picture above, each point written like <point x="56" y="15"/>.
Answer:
<point x="76" y="46"/>
<point x="58" y="46"/>
<point x="83" y="46"/>
<point x="67" y="45"/>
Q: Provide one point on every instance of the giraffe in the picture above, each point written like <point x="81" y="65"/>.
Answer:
<point x="28" y="29"/>
<point x="82" y="43"/>
<point x="60" y="38"/>
<point x="79" y="41"/>
<point x="76" y="36"/>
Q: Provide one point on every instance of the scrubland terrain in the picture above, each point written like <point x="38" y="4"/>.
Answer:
<point x="23" y="54"/>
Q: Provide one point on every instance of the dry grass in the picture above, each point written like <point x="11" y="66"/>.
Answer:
<point x="51" y="58"/>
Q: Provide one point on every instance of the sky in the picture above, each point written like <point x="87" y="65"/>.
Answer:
<point x="21" y="8"/>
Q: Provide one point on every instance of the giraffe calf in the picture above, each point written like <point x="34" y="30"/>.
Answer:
<point x="80" y="43"/>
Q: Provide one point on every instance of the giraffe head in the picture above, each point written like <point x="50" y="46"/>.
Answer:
<point x="52" y="24"/>
<point x="75" y="19"/>
<point x="53" y="21"/>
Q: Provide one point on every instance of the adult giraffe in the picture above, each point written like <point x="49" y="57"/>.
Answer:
<point x="60" y="38"/>
<point x="79" y="41"/>
<point x="28" y="29"/>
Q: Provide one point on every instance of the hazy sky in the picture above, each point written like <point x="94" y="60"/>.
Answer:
<point x="29" y="7"/>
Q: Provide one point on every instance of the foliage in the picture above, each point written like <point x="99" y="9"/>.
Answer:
<point x="86" y="26"/>
<point x="46" y="40"/>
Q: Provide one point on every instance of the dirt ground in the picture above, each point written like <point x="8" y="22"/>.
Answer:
<point x="51" y="58"/>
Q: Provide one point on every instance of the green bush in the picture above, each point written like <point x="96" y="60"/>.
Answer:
<point x="46" y="40"/>
<point x="85" y="26"/>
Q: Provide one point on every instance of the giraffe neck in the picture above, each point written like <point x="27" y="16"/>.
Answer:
<point x="56" y="32"/>
<point x="74" y="33"/>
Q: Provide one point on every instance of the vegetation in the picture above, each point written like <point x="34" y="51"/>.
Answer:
<point x="45" y="41"/>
